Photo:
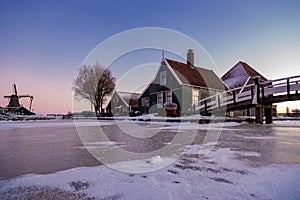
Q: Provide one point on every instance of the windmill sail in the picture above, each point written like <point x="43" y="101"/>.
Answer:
<point x="23" y="96"/>
<point x="15" y="89"/>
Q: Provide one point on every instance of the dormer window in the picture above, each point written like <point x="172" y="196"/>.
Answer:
<point x="163" y="78"/>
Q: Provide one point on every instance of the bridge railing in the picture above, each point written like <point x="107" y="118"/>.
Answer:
<point x="283" y="86"/>
<point x="255" y="92"/>
<point x="232" y="96"/>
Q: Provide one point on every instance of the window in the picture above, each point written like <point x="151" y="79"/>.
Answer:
<point x="163" y="78"/>
<point x="145" y="102"/>
<point x="160" y="99"/>
<point x="195" y="96"/>
<point x="116" y="99"/>
<point x="205" y="94"/>
<point x="169" y="96"/>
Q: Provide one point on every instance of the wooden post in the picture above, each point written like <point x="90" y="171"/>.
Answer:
<point x="257" y="89"/>
<point x="252" y="92"/>
<point x="296" y="84"/>
<point x="268" y="114"/>
<point x="262" y="93"/>
<point x="205" y="105"/>
<point x="259" y="114"/>
<point x="288" y="87"/>
<point x="234" y="97"/>
<point x="219" y="101"/>
<point x="248" y="112"/>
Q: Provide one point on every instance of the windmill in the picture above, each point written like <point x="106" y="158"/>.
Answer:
<point x="14" y="102"/>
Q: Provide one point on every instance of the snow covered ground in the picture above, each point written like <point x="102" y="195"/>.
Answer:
<point x="219" y="176"/>
<point x="225" y="173"/>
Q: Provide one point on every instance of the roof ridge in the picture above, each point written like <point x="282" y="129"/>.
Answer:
<point x="118" y="91"/>
<point x="187" y="64"/>
<point x="252" y="69"/>
<point x="195" y="76"/>
<point x="244" y="64"/>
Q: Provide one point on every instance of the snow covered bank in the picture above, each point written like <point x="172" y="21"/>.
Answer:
<point x="218" y="176"/>
<point x="225" y="173"/>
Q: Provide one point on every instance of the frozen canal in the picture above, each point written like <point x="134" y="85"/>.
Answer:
<point x="48" y="160"/>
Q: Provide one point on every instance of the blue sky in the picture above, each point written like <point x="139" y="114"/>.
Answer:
<point x="44" y="42"/>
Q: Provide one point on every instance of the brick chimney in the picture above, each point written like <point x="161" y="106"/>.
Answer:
<point x="190" y="57"/>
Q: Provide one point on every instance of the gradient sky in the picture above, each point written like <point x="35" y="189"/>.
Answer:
<point x="42" y="43"/>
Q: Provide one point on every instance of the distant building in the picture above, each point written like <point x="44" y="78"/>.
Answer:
<point x="2" y="110"/>
<point x="20" y="111"/>
<point x="14" y="106"/>
<point x="122" y="103"/>
<point x="181" y="83"/>
<point x="241" y="75"/>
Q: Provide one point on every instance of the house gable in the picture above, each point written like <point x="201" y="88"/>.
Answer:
<point x="158" y="88"/>
<point x="119" y="99"/>
<point x="122" y="102"/>
<point x="129" y="99"/>
<point x="172" y="81"/>
<point x="239" y="75"/>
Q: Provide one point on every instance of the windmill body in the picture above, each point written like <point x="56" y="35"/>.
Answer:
<point x="13" y="102"/>
<point x="14" y="105"/>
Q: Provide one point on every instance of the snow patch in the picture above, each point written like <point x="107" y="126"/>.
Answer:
<point x="260" y="137"/>
<point x="156" y="160"/>
<point x="218" y="176"/>
<point x="248" y="154"/>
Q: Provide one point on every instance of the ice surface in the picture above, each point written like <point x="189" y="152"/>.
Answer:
<point x="58" y="123"/>
<point x="218" y="176"/>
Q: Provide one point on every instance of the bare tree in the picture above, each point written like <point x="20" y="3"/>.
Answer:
<point x="94" y="83"/>
<point x="105" y="87"/>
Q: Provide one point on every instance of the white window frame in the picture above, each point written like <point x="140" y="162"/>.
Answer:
<point x="195" y="96"/>
<point x="169" y="96"/>
<point x="163" y="78"/>
<point x="160" y="99"/>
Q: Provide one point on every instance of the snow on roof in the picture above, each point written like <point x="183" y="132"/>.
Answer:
<point x="131" y="99"/>
<point x="239" y="74"/>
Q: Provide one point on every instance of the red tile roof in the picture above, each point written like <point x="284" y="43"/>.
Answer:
<point x="196" y="76"/>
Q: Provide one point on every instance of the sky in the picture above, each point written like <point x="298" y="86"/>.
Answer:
<point x="43" y="43"/>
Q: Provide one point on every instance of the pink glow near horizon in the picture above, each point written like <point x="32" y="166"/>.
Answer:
<point x="49" y="96"/>
<point x="56" y="98"/>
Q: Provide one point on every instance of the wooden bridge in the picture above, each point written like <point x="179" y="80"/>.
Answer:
<point x="260" y="95"/>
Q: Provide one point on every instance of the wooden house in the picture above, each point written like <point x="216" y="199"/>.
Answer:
<point x="122" y="103"/>
<point x="181" y="83"/>
<point x="241" y="75"/>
